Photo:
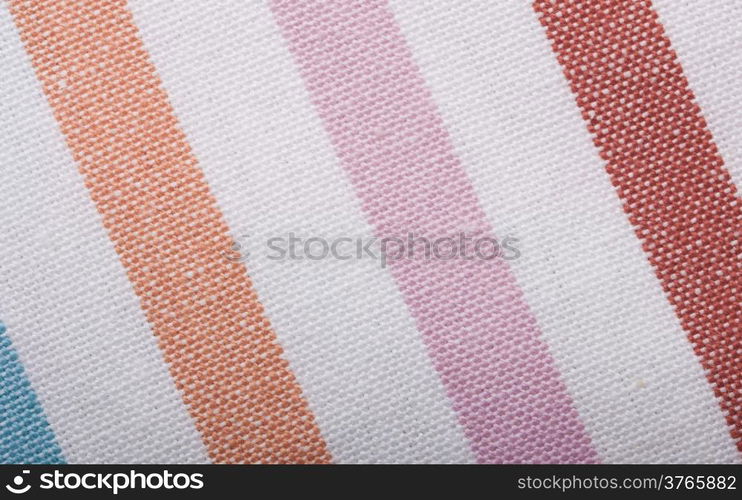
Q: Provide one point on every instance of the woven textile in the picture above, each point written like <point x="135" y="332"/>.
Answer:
<point x="369" y="231"/>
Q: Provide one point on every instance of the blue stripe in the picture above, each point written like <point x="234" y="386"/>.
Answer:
<point x="25" y="435"/>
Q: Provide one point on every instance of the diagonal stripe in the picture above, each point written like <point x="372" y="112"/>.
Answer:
<point x="481" y="335"/>
<point x="25" y="435"/>
<point x="666" y="168"/>
<point x="624" y="357"/>
<point x="708" y="40"/>
<point x="73" y="316"/>
<point x="168" y="231"/>
<point x="347" y="334"/>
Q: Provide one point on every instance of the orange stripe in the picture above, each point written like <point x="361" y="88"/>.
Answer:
<point x="168" y="231"/>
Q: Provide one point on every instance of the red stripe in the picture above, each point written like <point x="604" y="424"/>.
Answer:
<point x="666" y="168"/>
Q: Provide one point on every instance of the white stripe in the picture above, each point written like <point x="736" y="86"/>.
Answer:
<point x="70" y="310"/>
<point x="637" y="384"/>
<point x="707" y="36"/>
<point x="343" y="324"/>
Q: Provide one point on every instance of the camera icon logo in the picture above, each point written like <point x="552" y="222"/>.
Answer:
<point x="17" y="487"/>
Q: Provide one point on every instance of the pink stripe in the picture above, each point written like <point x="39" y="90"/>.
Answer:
<point x="481" y="335"/>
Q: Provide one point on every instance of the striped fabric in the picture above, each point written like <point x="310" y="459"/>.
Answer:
<point x="152" y="152"/>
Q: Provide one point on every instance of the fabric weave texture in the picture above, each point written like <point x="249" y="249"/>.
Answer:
<point x="518" y="228"/>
